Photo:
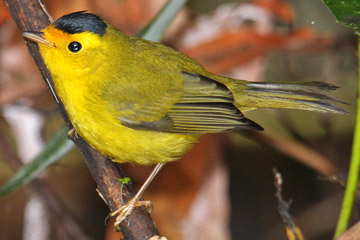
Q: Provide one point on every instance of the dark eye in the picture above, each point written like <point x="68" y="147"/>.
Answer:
<point x="74" y="47"/>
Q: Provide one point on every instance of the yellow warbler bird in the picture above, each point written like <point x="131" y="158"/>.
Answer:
<point x="142" y="102"/>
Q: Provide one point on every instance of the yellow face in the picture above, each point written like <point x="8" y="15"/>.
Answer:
<point x="71" y="54"/>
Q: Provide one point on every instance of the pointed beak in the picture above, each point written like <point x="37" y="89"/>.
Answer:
<point x="38" y="37"/>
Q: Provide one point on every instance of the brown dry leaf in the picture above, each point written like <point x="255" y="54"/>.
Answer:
<point x="4" y="13"/>
<point x="234" y="48"/>
<point x="128" y="15"/>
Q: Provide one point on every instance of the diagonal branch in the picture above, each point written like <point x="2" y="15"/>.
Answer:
<point x="29" y="16"/>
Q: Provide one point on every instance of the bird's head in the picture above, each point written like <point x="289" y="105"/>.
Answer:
<point x="72" y="43"/>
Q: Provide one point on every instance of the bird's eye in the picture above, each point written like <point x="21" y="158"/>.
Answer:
<point x="75" y="47"/>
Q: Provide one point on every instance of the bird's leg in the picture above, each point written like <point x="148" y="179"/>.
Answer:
<point x="126" y="209"/>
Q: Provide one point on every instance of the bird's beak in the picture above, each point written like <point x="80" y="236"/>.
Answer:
<point x="38" y="37"/>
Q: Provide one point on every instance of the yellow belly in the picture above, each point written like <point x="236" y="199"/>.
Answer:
<point x="123" y="144"/>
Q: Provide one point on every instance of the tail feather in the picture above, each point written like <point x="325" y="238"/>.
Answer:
<point x="306" y="96"/>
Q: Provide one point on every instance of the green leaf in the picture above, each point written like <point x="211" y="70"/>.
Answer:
<point x="124" y="180"/>
<point x="56" y="148"/>
<point x="347" y="12"/>
<point x="156" y="29"/>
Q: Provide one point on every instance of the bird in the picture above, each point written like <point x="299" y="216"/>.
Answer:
<point x="137" y="101"/>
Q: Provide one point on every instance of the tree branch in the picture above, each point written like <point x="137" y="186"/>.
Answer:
<point x="29" y="16"/>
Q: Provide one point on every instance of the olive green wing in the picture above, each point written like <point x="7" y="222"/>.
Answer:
<point x="201" y="106"/>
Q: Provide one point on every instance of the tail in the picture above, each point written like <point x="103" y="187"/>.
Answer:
<point x="305" y="96"/>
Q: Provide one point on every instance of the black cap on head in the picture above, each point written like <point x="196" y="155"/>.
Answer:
<point x="79" y="22"/>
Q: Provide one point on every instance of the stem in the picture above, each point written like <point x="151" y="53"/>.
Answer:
<point x="353" y="177"/>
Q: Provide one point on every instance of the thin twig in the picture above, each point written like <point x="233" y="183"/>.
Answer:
<point x="283" y="207"/>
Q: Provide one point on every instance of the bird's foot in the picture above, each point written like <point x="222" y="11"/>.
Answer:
<point x="72" y="134"/>
<point x="124" y="211"/>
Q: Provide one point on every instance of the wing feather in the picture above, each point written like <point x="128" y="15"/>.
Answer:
<point x="206" y="106"/>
